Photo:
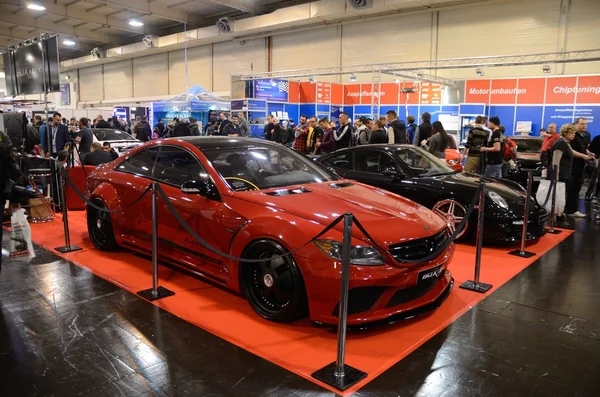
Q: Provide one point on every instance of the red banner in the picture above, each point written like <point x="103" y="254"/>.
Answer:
<point x="588" y="89"/>
<point x="531" y="91"/>
<point x="351" y="94"/>
<point x="294" y="92"/>
<point x="430" y="94"/>
<point x="477" y="91"/>
<point x="561" y="90"/>
<point x="323" y="93"/>
<point x="337" y="94"/>
<point x="503" y="92"/>
<point x="413" y="97"/>
<point x="388" y="94"/>
<point x="308" y="92"/>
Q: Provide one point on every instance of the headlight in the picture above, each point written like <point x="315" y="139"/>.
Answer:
<point x="359" y="255"/>
<point x="496" y="198"/>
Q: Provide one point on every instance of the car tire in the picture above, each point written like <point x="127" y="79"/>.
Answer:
<point x="450" y="209"/>
<point x="274" y="288"/>
<point x="100" y="227"/>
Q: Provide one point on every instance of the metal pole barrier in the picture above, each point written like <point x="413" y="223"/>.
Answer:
<point x="155" y="292"/>
<point x="338" y="374"/>
<point x="521" y="252"/>
<point x="475" y="285"/>
<point x="552" y="230"/>
<point x="65" y="214"/>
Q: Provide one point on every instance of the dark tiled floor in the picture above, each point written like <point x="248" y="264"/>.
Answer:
<point x="66" y="332"/>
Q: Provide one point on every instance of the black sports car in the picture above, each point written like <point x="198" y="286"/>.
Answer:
<point x="415" y="174"/>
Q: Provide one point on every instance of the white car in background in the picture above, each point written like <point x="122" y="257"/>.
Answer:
<point x="121" y="141"/>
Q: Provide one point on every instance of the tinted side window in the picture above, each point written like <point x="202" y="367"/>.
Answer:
<point x="339" y="161"/>
<point x="141" y="163"/>
<point x="373" y="161"/>
<point x="175" y="166"/>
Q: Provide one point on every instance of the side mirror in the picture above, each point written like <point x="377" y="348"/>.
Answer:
<point x="204" y="187"/>
<point x="392" y="173"/>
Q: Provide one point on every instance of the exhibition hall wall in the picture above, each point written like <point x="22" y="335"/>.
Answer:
<point x="505" y="27"/>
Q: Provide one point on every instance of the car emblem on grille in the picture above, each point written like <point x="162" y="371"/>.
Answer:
<point x="426" y="227"/>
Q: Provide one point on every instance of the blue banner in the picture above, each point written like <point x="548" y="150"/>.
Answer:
<point x="558" y="114"/>
<point x="592" y="115"/>
<point x="241" y="104"/>
<point x="272" y="89"/>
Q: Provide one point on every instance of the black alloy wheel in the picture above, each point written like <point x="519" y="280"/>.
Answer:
<point x="100" y="227"/>
<point x="274" y="288"/>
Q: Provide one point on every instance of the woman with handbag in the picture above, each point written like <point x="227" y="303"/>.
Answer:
<point x="562" y="157"/>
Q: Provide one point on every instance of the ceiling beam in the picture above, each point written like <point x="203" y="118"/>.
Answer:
<point x="83" y="16"/>
<point x="49" y="26"/>
<point x="155" y="8"/>
<point x="242" y="5"/>
<point x="15" y="36"/>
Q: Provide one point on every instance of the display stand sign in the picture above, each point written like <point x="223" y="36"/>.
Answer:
<point x="272" y="89"/>
<point x="65" y="94"/>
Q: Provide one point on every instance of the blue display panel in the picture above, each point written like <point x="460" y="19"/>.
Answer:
<point x="254" y="104"/>
<point x="533" y="114"/>
<point x="558" y="114"/>
<point x="272" y="89"/>
<point x="467" y="109"/>
<point x="450" y="109"/>
<point x="323" y="109"/>
<point x="292" y="110"/>
<point x="592" y="115"/>
<point x="335" y="112"/>
<point x="350" y="111"/>
<point x="434" y="110"/>
<point x="274" y="107"/>
<point x="413" y="110"/>
<point x="308" y="110"/>
<point x="506" y="115"/>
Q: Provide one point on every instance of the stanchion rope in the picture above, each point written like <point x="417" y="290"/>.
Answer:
<point x="94" y="206"/>
<point x="431" y="256"/>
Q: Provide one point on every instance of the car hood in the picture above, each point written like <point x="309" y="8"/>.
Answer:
<point x="387" y="217"/>
<point x="471" y="180"/>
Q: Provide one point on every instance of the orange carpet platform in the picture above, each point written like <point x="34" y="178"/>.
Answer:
<point x="298" y="347"/>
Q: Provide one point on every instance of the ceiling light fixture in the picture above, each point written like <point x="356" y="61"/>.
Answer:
<point x="419" y="75"/>
<point x="135" y="22"/>
<point x="35" y="6"/>
<point x="311" y="80"/>
<point x="479" y="72"/>
<point x="546" y="69"/>
<point x="352" y="77"/>
<point x="68" y="41"/>
<point x="397" y="81"/>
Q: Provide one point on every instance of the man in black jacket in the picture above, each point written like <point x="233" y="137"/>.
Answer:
<point x="86" y="136"/>
<point x="424" y="130"/>
<point x="343" y="136"/>
<point x="398" y="128"/>
<point x="100" y="122"/>
<point x="223" y="123"/>
<point x="161" y="127"/>
<point x="59" y="136"/>
<point x="97" y="156"/>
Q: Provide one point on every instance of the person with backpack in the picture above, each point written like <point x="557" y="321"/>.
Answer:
<point x="140" y="130"/>
<point x="509" y="153"/>
<point x="493" y="150"/>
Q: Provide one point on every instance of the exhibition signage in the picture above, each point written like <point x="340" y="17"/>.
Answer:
<point x="271" y="89"/>
<point x="65" y="94"/>
<point x="323" y="92"/>
<point x="531" y="91"/>
<point x="430" y="93"/>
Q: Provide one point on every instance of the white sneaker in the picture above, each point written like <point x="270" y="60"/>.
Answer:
<point x="577" y="215"/>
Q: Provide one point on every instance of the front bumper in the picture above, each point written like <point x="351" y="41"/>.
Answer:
<point x="377" y="293"/>
<point x="510" y="230"/>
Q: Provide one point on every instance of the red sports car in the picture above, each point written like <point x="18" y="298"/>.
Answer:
<point x="256" y="199"/>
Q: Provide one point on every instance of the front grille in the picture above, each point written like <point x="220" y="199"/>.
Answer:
<point x="417" y="249"/>
<point x="361" y="299"/>
<point x="409" y="294"/>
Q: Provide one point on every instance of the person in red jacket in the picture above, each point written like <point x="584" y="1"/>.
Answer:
<point x="549" y="139"/>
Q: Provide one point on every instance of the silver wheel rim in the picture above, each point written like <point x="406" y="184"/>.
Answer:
<point x="452" y="212"/>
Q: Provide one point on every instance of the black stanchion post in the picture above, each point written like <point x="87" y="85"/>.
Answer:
<point x="475" y="285"/>
<point x="338" y="374"/>
<point x="155" y="292"/>
<point x="521" y="252"/>
<point x="552" y="230"/>
<point x="65" y="214"/>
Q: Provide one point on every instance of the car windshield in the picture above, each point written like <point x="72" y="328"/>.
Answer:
<point x="529" y="145"/>
<point x="259" y="167"/>
<point x="422" y="163"/>
<point x="112" y="135"/>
